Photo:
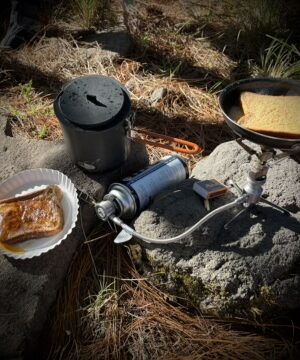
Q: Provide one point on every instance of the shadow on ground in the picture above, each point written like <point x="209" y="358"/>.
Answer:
<point x="45" y="82"/>
<point x="206" y="134"/>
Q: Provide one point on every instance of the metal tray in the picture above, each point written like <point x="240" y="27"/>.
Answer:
<point x="230" y="105"/>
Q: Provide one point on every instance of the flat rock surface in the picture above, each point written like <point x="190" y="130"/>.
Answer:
<point x="253" y="267"/>
<point x="29" y="287"/>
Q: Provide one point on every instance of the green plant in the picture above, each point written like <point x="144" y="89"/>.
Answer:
<point x="26" y="91"/>
<point x="215" y="88"/>
<point x="30" y="104"/>
<point x="43" y="132"/>
<point x="90" y="11"/>
<point x="278" y="60"/>
<point x="171" y="71"/>
<point x="145" y="40"/>
<point x="102" y="303"/>
<point x="30" y="112"/>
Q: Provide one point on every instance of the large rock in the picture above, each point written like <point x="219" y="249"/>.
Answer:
<point x="29" y="287"/>
<point x="251" y="268"/>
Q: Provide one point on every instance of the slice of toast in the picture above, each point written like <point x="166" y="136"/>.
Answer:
<point x="271" y="115"/>
<point x="31" y="216"/>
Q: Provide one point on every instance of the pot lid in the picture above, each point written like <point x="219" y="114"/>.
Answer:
<point x="93" y="102"/>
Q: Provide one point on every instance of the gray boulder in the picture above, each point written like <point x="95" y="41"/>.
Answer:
<point x="251" y="268"/>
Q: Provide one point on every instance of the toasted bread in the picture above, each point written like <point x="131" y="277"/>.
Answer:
<point x="271" y="115"/>
<point x="31" y="216"/>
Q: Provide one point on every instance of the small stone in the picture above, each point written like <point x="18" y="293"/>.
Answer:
<point x="158" y="95"/>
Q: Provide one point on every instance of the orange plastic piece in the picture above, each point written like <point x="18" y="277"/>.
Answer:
<point x="192" y="148"/>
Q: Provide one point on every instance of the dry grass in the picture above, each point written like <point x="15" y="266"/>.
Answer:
<point x="107" y="311"/>
<point x="188" y="68"/>
<point x="187" y="111"/>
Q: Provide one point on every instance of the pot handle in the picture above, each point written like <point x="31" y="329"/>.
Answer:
<point x="173" y="143"/>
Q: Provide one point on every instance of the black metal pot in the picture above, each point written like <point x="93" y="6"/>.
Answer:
<point x="93" y="111"/>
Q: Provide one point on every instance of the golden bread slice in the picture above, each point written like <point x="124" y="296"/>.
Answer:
<point x="34" y="215"/>
<point x="272" y="115"/>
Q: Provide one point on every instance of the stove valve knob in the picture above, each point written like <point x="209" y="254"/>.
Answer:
<point x="105" y="209"/>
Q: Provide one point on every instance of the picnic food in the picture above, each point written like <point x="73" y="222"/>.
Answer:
<point x="271" y="115"/>
<point x="35" y="215"/>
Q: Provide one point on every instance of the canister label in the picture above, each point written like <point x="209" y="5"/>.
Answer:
<point x="151" y="181"/>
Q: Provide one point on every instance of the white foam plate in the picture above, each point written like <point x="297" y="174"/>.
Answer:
<point x="29" y="181"/>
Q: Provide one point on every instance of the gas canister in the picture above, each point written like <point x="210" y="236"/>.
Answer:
<point x="127" y="198"/>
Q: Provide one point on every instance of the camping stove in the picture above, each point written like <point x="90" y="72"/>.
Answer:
<point x="230" y="106"/>
<point x="257" y="176"/>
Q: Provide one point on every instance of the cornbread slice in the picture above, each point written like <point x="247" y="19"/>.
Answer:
<point x="272" y="115"/>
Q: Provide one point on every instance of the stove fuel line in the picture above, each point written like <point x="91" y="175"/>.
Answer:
<point x="130" y="232"/>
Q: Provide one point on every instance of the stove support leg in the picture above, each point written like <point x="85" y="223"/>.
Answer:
<point x="236" y="186"/>
<point x="240" y="213"/>
<point x="286" y="212"/>
<point x="253" y="188"/>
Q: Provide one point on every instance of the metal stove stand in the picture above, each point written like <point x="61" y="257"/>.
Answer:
<point x="252" y="192"/>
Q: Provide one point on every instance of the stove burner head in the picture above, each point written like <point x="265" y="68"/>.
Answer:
<point x="231" y="108"/>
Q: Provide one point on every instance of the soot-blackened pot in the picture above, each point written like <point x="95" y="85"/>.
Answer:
<point x="93" y="113"/>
